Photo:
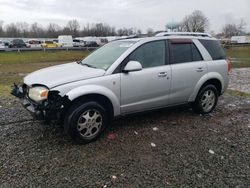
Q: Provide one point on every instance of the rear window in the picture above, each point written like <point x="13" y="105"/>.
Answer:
<point x="214" y="49"/>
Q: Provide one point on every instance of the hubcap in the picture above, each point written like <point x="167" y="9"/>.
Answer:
<point x="89" y="123"/>
<point x="208" y="100"/>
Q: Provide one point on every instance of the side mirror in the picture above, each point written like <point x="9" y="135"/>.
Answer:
<point x="132" y="66"/>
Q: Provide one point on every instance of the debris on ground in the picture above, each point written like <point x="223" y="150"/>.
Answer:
<point x="211" y="152"/>
<point x="155" y="129"/>
<point x="153" y="144"/>
<point x="136" y="133"/>
<point x="111" y="136"/>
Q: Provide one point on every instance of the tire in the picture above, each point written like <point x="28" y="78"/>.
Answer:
<point x="206" y="99"/>
<point x="85" y="121"/>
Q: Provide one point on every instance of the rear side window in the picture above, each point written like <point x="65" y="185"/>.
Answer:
<point x="214" y="49"/>
<point x="185" y="52"/>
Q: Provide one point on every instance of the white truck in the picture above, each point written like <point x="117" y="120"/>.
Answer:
<point x="65" y="41"/>
<point x="240" y="39"/>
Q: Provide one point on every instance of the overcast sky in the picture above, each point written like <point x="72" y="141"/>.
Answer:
<point x="141" y="14"/>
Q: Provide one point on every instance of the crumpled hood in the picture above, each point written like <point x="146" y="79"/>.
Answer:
<point x="62" y="74"/>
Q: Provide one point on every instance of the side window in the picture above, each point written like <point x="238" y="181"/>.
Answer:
<point x="181" y="52"/>
<point x="214" y="49"/>
<point x="185" y="52"/>
<point x="150" y="54"/>
<point x="196" y="54"/>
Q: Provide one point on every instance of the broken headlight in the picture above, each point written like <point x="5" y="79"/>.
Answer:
<point x="38" y="93"/>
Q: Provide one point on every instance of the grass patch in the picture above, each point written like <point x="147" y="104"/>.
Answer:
<point x="237" y="93"/>
<point x="241" y="54"/>
<point x="40" y="56"/>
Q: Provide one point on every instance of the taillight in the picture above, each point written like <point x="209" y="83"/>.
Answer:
<point x="228" y="65"/>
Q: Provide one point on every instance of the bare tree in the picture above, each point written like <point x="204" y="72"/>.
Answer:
<point x="73" y="27"/>
<point x="53" y="30"/>
<point x="196" y="22"/>
<point x="12" y="30"/>
<point x="36" y="31"/>
<point x="150" y="32"/>
<point x="230" y="30"/>
<point x="1" y="29"/>
<point x="23" y="29"/>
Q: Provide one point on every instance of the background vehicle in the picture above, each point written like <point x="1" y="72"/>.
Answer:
<point x="34" y="43"/>
<point x="78" y="43"/>
<point x="91" y="44"/>
<point x="2" y="45"/>
<point x="65" y="41"/>
<point x="128" y="76"/>
<point x="17" y="43"/>
<point x="49" y="44"/>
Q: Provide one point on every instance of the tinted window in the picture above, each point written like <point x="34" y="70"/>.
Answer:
<point x="150" y="54"/>
<point x="185" y="52"/>
<point x="214" y="49"/>
<point x="181" y="53"/>
<point x="196" y="54"/>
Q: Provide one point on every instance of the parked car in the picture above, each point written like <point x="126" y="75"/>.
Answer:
<point x="91" y="44"/>
<point x="17" y="43"/>
<point x="34" y="43"/>
<point x="125" y="77"/>
<point x="65" y="41"/>
<point x="49" y="44"/>
<point x="2" y="45"/>
<point x="78" y="43"/>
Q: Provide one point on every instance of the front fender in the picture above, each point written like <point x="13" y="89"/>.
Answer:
<point x="96" y="89"/>
<point x="203" y="79"/>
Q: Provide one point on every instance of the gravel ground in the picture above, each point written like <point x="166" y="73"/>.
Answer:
<point x="167" y="148"/>
<point x="240" y="80"/>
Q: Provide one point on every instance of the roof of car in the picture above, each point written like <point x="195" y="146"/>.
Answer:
<point x="172" y="35"/>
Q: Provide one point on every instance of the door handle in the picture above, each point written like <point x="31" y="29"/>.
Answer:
<point x="199" y="69"/>
<point x="162" y="74"/>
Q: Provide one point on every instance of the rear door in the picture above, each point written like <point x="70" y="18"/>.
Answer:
<point x="187" y="67"/>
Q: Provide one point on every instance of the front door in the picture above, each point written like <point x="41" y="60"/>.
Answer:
<point x="148" y="88"/>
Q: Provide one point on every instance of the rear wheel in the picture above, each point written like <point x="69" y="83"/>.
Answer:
<point x="84" y="122"/>
<point x="206" y="100"/>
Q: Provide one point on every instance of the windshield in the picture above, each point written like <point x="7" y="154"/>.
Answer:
<point x="105" y="56"/>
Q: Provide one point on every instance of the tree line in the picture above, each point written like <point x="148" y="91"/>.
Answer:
<point x="194" y="22"/>
<point x="53" y="30"/>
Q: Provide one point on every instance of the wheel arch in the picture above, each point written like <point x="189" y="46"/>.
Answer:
<point x="96" y="93"/>
<point x="211" y="78"/>
<point x="99" y="98"/>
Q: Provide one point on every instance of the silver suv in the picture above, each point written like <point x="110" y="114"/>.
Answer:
<point x="128" y="76"/>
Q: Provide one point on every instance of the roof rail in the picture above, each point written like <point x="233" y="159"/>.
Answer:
<point x="183" y="34"/>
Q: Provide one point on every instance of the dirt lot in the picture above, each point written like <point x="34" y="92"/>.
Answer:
<point x="190" y="150"/>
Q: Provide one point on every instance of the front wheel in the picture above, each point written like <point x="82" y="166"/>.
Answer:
<point x="84" y="122"/>
<point x="206" y="100"/>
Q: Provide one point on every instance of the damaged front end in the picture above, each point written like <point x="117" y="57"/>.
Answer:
<point x="50" y="109"/>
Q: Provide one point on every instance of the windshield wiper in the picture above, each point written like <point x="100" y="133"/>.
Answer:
<point x="88" y="65"/>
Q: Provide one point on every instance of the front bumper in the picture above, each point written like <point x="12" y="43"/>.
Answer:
<point x="50" y="109"/>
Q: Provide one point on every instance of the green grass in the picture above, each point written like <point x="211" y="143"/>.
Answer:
<point x="237" y="93"/>
<point x="242" y="54"/>
<point x="40" y="56"/>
